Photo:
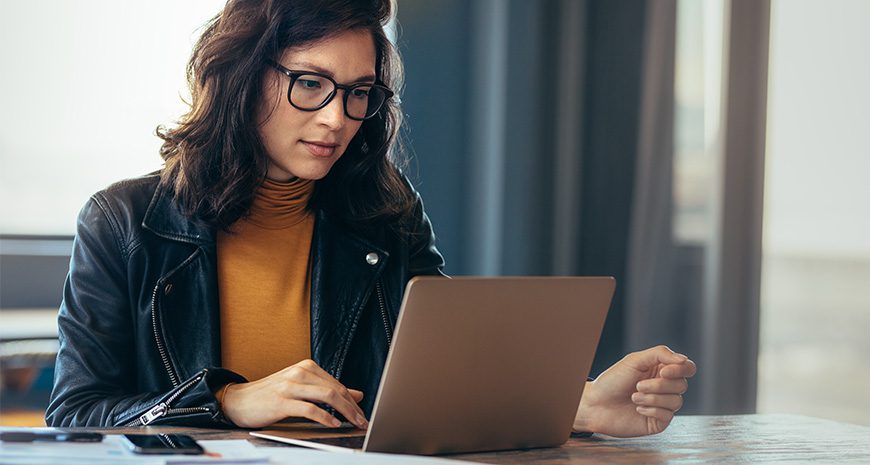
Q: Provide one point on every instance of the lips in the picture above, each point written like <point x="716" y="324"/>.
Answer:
<point x="320" y="149"/>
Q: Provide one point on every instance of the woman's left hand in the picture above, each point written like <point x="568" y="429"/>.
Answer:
<point x="637" y="396"/>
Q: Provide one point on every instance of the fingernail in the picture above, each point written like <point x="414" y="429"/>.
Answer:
<point x="360" y="420"/>
<point x="636" y="397"/>
<point x="682" y="357"/>
<point x="336" y="423"/>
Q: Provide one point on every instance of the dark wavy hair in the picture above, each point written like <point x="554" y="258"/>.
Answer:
<point x="214" y="158"/>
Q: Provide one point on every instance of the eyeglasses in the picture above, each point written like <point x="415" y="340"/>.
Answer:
<point x="310" y="91"/>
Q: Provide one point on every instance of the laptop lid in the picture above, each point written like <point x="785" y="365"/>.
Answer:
<point x="483" y="364"/>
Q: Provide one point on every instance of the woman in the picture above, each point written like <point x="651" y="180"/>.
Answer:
<point x="257" y="276"/>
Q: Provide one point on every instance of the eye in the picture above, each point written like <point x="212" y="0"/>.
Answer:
<point x="308" y="83"/>
<point x="360" y="92"/>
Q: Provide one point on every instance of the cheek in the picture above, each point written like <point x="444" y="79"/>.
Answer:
<point x="282" y="127"/>
<point x="277" y="122"/>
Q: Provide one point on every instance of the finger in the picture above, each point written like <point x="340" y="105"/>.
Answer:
<point x="302" y="409"/>
<point x="308" y="372"/>
<point x="314" y="368"/>
<point x="672" y="402"/>
<point x="311" y="367"/>
<point x="650" y="358"/>
<point x="686" y="369"/>
<point x="663" y="386"/>
<point x="333" y="398"/>
<point x="663" y="415"/>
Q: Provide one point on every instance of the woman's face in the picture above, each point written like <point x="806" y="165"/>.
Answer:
<point x="305" y="144"/>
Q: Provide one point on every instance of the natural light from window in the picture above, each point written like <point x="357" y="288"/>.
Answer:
<point x="84" y="85"/>
<point x="815" y="313"/>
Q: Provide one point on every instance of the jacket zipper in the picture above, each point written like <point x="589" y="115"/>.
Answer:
<point x="162" y="409"/>
<point x="384" y="316"/>
<point x="160" y="347"/>
<point x="336" y="372"/>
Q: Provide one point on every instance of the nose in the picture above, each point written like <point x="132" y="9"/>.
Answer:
<point x="332" y="115"/>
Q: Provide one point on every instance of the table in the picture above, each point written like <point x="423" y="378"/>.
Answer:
<point x="729" y="439"/>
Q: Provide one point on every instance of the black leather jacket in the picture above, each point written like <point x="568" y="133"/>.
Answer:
<point x="139" y="324"/>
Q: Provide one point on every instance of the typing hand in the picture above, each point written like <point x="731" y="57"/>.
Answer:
<point x="636" y="396"/>
<point x="292" y="392"/>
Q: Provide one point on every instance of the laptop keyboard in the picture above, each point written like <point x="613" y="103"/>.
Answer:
<point x="352" y="442"/>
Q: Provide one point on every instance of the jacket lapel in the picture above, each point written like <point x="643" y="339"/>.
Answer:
<point x="186" y="294"/>
<point x="345" y="268"/>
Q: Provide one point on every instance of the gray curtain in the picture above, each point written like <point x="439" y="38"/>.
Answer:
<point x="703" y="298"/>
<point x="733" y="282"/>
<point x="652" y="314"/>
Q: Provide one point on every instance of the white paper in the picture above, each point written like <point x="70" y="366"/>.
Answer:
<point x="109" y="449"/>
<point x="297" y="455"/>
<point x="229" y="451"/>
<point x="36" y="460"/>
<point x="112" y="450"/>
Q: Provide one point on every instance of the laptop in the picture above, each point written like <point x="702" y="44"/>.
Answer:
<point x="481" y="364"/>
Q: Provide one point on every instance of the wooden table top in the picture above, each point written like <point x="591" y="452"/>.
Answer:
<point x="729" y="439"/>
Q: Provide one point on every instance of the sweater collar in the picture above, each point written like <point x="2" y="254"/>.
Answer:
<point x="280" y="205"/>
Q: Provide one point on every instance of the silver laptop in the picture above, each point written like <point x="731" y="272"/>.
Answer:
<point x="481" y="364"/>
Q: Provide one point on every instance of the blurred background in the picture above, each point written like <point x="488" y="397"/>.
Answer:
<point x="709" y="154"/>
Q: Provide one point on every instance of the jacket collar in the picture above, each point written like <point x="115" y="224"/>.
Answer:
<point x="165" y="218"/>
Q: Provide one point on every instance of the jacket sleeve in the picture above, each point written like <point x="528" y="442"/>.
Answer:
<point x="95" y="380"/>
<point x="424" y="258"/>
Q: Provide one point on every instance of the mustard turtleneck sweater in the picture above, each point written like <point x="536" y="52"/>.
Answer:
<point x="264" y="282"/>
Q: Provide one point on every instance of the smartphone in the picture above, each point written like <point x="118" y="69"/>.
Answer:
<point x="162" y="444"/>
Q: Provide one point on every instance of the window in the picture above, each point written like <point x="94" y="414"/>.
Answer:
<point x="697" y="93"/>
<point x="815" y="306"/>
<point x="83" y="88"/>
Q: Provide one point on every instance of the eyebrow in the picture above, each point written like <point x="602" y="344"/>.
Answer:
<point x="304" y="64"/>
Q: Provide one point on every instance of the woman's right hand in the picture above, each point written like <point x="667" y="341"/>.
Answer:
<point x="292" y="392"/>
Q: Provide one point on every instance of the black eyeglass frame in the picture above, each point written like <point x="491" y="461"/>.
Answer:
<point x="295" y="74"/>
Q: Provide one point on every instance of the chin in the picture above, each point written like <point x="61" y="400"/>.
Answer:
<point x="313" y="177"/>
<point x="313" y="171"/>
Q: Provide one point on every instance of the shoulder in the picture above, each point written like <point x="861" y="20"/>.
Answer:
<point x="130" y="192"/>
<point x="119" y="209"/>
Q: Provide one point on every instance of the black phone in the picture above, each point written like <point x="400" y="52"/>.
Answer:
<point x="162" y="444"/>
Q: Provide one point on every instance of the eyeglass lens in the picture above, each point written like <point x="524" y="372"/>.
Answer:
<point x="310" y="92"/>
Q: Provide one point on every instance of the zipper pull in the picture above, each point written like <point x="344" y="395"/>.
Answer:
<point x="156" y="412"/>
